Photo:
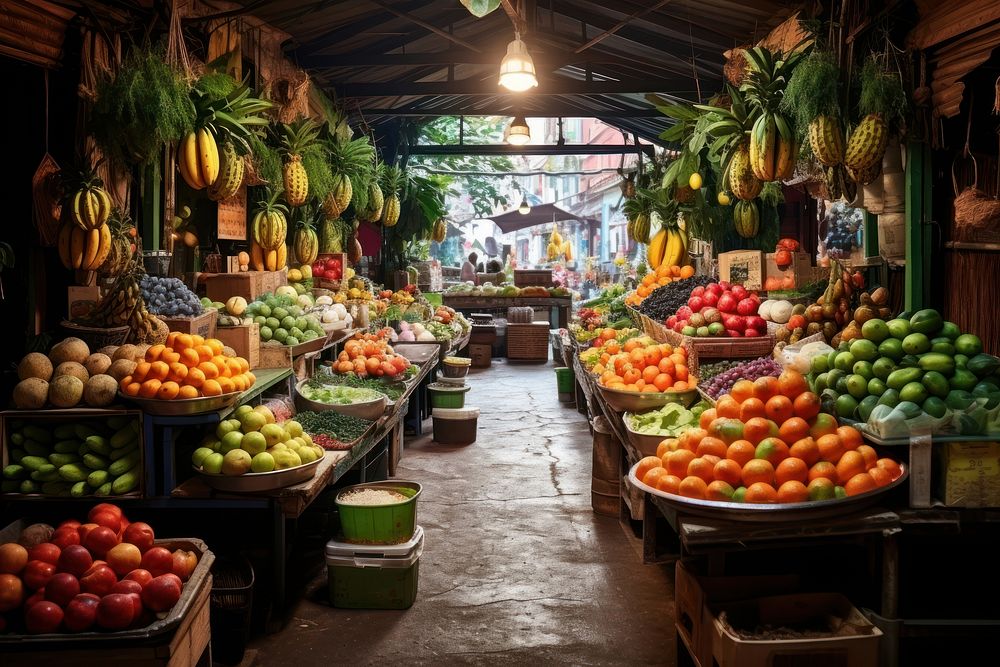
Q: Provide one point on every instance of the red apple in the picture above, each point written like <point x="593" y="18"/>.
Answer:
<point x="723" y="285"/>
<point x="137" y="606"/>
<point x="81" y="612"/>
<point x="34" y="599"/>
<point x="684" y="313"/>
<point x="746" y="307"/>
<point x="733" y="333"/>
<point x="46" y="552"/>
<point x="63" y="537"/>
<point x="84" y="530"/>
<point x="127" y="586"/>
<point x="184" y="563"/>
<point x="69" y="523"/>
<point x="679" y="327"/>
<point x="698" y="291"/>
<point x="115" y="611"/>
<point x="11" y="592"/>
<point x="100" y="540"/>
<point x="99" y="580"/>
<point x="161" y="593"/>
<point x="75" y="559"/>
<point x="37" y="573"/>
<point x="108" y="520"/>
<point x="62" y="588"/>
<point x="756" y="322"/>
<point x="105" y="507"/>
<point x="727" y="303"/>
<point x="671" y="321"/>
<point x="158" y="561"/>
<point x="710" y="298"/>
<point x="739" y="292"/>
<point x="140" y="534"/>
<point x="42" y="617"/>
<point x="750" y="333"/>
<point x="123" y="558"/>
<point x="696" y="303"/>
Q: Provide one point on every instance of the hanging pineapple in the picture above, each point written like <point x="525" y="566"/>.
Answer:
<point x="555" y="247"/>
<point x="270" y="227"/>
<point x="376" y="200"/>
<point x="348" y="160"/>
<point x="305" y="242"/>
<point x="440" y="231"/>
<point x="294" y="138"/>
<point x="390" y="210"/>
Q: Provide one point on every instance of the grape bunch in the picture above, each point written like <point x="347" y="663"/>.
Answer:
<point x="169" y="297"/>
<point x="664" y="301"/>
<point x="747" y="370"/>
<point x="708" y="371"/>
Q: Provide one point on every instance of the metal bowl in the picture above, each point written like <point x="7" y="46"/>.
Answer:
<point x="183" y="406"/>
<point x="644" y="442"/>
<point x="637" y="401"/>
<point x="813" y="509"/>
<point x="256" y="482"/>
<point x="371" y="410"/>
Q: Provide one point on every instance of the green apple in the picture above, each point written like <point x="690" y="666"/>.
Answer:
<point x="212" y="463"/>
<point x="253" y="442"/>
<point x="306" y="438"/>
<point x="225" y="427"/>
<point x="278" y="447"/>
<point x="307" y="454"/>
<point x="200" y="455"/>
<point x="285" y="435"/>
<point x="286" y="458"/>
<point x="242" y="410"/>
<point x="272" y="433"/>
<point x="262" y="462"/>
<point x="266" y="411"/>
<point x="293" y="427"/>
<point x="231" y="441"/>
<point x="252" y="421"/>
<point x="216" y="446"/>
<point x="236" y="462"/>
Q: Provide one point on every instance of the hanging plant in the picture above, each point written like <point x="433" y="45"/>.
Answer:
<point x="883" y="106"/>
<point x="812" y="101"/>
<point x="146" y="106"/>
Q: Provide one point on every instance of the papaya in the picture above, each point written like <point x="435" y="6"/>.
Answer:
<point x="901" y="377"/>
<point x="927" y="321"/>
<point x="983" y="364"/>
<point x="933" y="361"/>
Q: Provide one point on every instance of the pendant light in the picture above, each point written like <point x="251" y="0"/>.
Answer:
<point x="517" y="70"/>
<point x="518" y="133"/>
<point x="524" y="208"/>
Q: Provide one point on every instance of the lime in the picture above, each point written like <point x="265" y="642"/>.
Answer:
<point x="898" y="328"/>
<point x="231" y="441"/>
<point x="857" y="386"/>
<point x="876" y="387"/>
<point x="875" y="330"/>
<point x="200" y="455"/>
<point x="845" y="406"/>
<point x="844" y="361"/>
<point x="819" y="364"/>
<point x="864" y="349"/>
<point x="212" y="463"/>
<point x="864" y="368"/>
<point x="254" y="443"/>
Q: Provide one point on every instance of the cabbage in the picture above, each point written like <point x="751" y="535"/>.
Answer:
<point x="669" y="421"/>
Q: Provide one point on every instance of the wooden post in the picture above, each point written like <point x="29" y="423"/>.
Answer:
<point x="870" y="235"/>
<point x="918" y="207"/>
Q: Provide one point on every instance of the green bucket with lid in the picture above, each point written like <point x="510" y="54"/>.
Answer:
<point x="379" y="524"/>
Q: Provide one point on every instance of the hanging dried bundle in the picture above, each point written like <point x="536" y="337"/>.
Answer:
<point x="737" y="66"/>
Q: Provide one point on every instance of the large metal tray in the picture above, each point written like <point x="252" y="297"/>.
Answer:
<point x="638" y="401"/>
<point x="256" y="482"/>
<point x="813" y="509"/>
<point x="183" y="406"/>
<point x="370" y="410"/>
<point x="645" y="443"/>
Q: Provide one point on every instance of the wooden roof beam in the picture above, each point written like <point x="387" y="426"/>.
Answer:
<point x="536" y="149"/>
<point x="547" y="110"/>
<point x="547" y="86"/>
<point x="424" y="24"/>
<point x="621" y="24"/>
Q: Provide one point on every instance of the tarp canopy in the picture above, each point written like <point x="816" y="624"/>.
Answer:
<point x="543" y="214"/>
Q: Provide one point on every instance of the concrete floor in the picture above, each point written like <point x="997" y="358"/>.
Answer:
<point x="516" y="568"/>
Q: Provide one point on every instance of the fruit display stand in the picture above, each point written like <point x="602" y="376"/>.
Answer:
<point x="203" y="325"/>
<point x="248" y="284"/>
<point x="559" y="306"/>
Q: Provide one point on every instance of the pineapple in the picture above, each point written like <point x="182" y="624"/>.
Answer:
<point x="390" y="210"/>
<point x="294" y="138"/>
<point x="349" y="161"/>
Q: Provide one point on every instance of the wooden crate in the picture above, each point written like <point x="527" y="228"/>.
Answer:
<point x="283" y="356"/>
<point x="533" y="278"/>
<point x="528" y="342"/>
<point x="203" y="325"/>
<point x="247" y="284"/>
<point x="481" y="355"/>
<point x="245" y="341"/>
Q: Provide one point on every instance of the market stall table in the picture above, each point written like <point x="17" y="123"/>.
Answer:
<point x="559" y="306"/>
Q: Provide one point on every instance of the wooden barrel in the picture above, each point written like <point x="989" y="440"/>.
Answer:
<point x="606" y="467"/>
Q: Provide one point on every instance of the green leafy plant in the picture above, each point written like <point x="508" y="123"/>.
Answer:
<point x="882" y="92"/>
<point x="812" y="90"/>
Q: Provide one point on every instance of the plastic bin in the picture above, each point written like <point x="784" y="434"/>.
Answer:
<point x="232" y="602"/>
<point x="374" y="577"/>
<point x="455" y="426"/>
<point x="455" y="367"/>
<point x="447" y="395"/>
<point x="566" y="381"/>
<point x="380" y="524"/>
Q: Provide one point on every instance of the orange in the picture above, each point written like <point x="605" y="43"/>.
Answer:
<point x="881" y="476"/>
<point x="677" y="462"/>
<point x="187" y="391"/>
<point x="794" y="429"/>
<point x="680" y="385"/>
<point x="630" y="344"/>
<point x="765" y="387"/>
<point x="869" y="454"/>
<point x="222" y="364"/>
<point x="711" y="458"/>
<point x="793" y="491"/>
<point x="149" y="388"/>
<point x="687" y="271"/>
<point x="740" y="451"/>
<point x="652" y="478"/>
<point x="823" y="469"/>
<point x="821" y="487"/>
<point x="691" y="437"/>
<point x="663" y="381"/>
<point x="631" y="376"/>
<point x="653" y="356"/>
<point x="211" y="388"/>
<point x="719" y="490"/>
<point x="239" y="382"/>
<point x="204" y="352"/>
<point x="668" y="483"/>
<point x="860" y="483"/>
<point x="195" y="377"/>
<point x="707" y="417"/>
<point x="792" y="383"/>
<point x="141" y="371"/>
<point x="778" y="409"/>
<point x="681" y="372"/>
<point x="693" y="487"/>
<point x="172" y="338"/>
<point x="830" y="448"/>
<point x="189" y="357"/>
<point x="791" y="469"/>
<point x="170" y="357"/>
<point x="649" y="374"/>
<point x="751" y="407"/>
<point x="637" y="358"/>
<point x="713" y="446"/>
<point x="805" y="449"/>
<point x="666" y="446"/>
<point x="210" y="370"/>
<point x="158" y="370"/>
<point x="728" y="430"/>
<point x="679" y="357"/>
<point x="773" y="450"/>
<point x="244" y="364"/>
<point x="178" y="372"/>
<point x="742" y="390"/>
<point x="728" y="471"/>
<point x="126" y="381"/>
<point x="727" y="406"/>
<point x="850" y="436"/>
<point x="251" y="378"/>
<point x="154" y="352"/>
<point x="168" y="391"/>
<point x="215" y="344"/>
<point x="850" y="464"/>
<point x="646" y="464"/>
<point x="650" y="388"/>
<point x="760" y="492"/>
<point x="702" y="467"/>
<point x="665" y="365"/>
<point x="227" y="384"/>
<point x="822" y="424"/>
<point x="757" y="470"/>
<point x="197" y="340"/>
<point x="890" y="466"/>
<point x="759" y="428"/>
<point x="132" y="389"/>
<point x="806" y="405"/>
<point x="182" y="342"/>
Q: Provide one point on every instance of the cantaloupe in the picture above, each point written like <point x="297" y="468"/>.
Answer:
<point x="31" y="393"/>
<point x="127" y="351"/>
<point x="65" y="391"/>
<point x="781" y="311"/>
<point x="71" y="349"/>
<point x="764" y="311"/>
<point x="35" y="365"/>
<point x="100" y="391"/>
<point x="121" y="368"/>
<point x="97" y="363"/>
<point x="72" y="368"/>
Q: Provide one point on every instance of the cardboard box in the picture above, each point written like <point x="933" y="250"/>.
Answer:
<point x="82" y="300"/>
<point x="203" y="325"/>
<point x="245" y="341"/>
<point x="233" y="264"/>
<point x="799" y="274"/>
<point x="247" y="284"/>
<point x="855" y="643"/>
<point x="694" y="593"/>
<point x="745" y="267"/>
<point x="969" y="474"/>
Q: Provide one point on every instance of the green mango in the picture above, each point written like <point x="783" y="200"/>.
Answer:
<point x="963" y="379"/>
<point x="935" y="407"/>
<point x="866" y="406"/>
<point x="927" y="321"/>
<point x="899" y="328"/>
<point x="913" y="391"/>
<point x="950" y="330"/>
<point x="891" y="348"/>
<point x="889" y="397"/>
<point x="916" y="343"/>
<point x="941" y="363"/>
<point x="857" y="386"/>
<point x="969" y="344"/>
<point x="936" y="384"/>
<point x="876" y="387"/>
<point x="901" y="377"/>
<point x="845" y="406"/>
<point x="983" y="364"/>
<point x="882" y="367"/>
<point x="958" y="399"/>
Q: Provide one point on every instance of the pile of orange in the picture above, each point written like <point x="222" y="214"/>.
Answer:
<point x="370" y="355"/>
<point x="643" y="365"/>
<point x="188" y="366"/>
<point x="767" y="442"/>
<point x="663" y="275"/>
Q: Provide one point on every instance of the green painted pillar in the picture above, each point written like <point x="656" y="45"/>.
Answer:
<point x="918" y="210"/>
<point x="870" y="235"/>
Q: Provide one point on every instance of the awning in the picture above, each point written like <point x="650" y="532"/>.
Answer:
<point x="543" y="214"/>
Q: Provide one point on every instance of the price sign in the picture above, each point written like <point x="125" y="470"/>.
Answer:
<point x="232" y="217"/>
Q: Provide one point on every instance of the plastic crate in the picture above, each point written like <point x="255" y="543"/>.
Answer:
<point x="232" y="602"/>
<point x="528" y="342"/>
<point x="375" y="576"/>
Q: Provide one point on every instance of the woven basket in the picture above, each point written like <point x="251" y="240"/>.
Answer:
<point x="528" y="342"/>
<point x="97" y="337"/>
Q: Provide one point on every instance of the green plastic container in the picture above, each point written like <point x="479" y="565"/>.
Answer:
<point x="447" y="395"/>
<point x="380" y="524"/>
<point x="374" y="577"/>
<point x="566" y="380"/>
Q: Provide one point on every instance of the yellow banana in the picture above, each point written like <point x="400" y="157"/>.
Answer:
<point x="187" y="160"/>
<point x="655" y="249"/>
<point x="77" y="212"/>
<point x="271" y="263"/>
<point x="282" y="258"/>
<point x="64" y="243"/>
<point x="103" y="248"/>
<point x="90" y="248"/>
<point x="257" y="257"/>
<point x="785" y="162"/>
<point x="106" y="205"/>
<point x="208" y="157"/>
<point x="77" y="241"/>
<point x="670" y="251"/>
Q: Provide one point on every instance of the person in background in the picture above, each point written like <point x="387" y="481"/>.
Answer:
<point x="494" y="266"/>
<point x="469" y="269"/>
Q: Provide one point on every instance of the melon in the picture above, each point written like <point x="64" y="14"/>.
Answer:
<point x="65" y="391"/>
<point x="127" y="351"/>
<point x="71" y="349"/>
<point x="781" y="311"/>
<point x="109" y="350"/>
<point x="236" y="305"/>
<point x="228" y="351"/>
<point x="97" y="363"/>
<point x="31" y="393"/>
<point x="100" y="391"/>
<point x="121" y="368"/>
<point x="72" y="368"/>
<point x="35" y="365"/>
<point x="764" y="311"/>
<point x="286" y="290"/>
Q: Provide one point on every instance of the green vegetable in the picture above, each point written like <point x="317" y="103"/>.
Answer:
<point x="669" y="421"/>
<point x="341" y="427"/>
<point x="338" y="394"/>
